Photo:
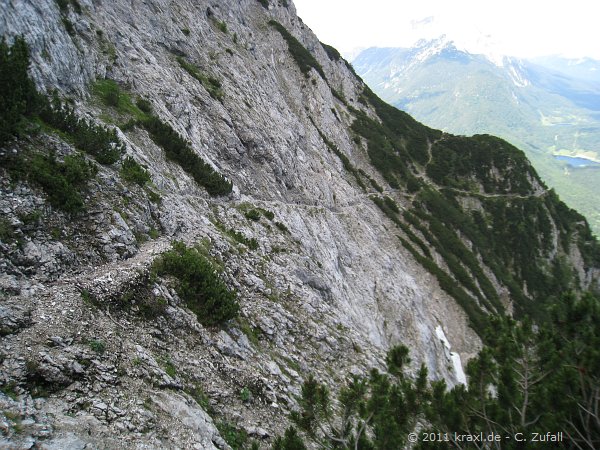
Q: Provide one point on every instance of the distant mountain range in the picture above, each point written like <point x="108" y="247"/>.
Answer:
<point x="549" y="107"/>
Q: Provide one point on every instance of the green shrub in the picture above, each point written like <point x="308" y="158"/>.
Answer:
<point x="61" y="181"/>
<point x="109" y="91"/>
<point x="268" y="214"/>
<point x="9" y="390"/>
<point x="301" y="55"/>
<point x="290" y="441"/>
<point x="185" y="31"/>
<point x="388" y="206"/>
<point x="395" y="142"/>
<point x="452" y="288"/>
<point x="178" y="149"/>
<point x="153" y="196"/>
<point x="151" y="307"/>
<point x="376" y="185"/>
<point x="69" y="26"/>
<point x="139" y="298"/>
<point x="253" y="215"/>
<point x="264" y="3"/>
<point x="345" y="160"/>
<point x="391" y="204"/>
<point x="340" y="97"/>
<point x="97" y="346"/>
<point x="456" y="160"/>
<point x="133" y="172"/>
<point x="18" y="96"/>
<point x="235" y="437"/>
<point x="333" y="54"/>
<point x="144" y="105"/>
<point x="100" y="142"/>
<point x="63" y="5"/>
<point x="89" y="298"/>
<point x="198" y="394"/>
<point x="510" y="237"/>
<point x="113" y="96"/>
<point x="169" y="368"/>
<point x="31" y="218"/>
<point x="252" y="333"/>
<point x="76" y="6"/>
<point x="211" y="84"/>
<point x="245" y="394"/>
<point x="198" y="284"/>
<point x="251" y="243"/>
<point x="222" y="26"/>
<point x="282" y="227"/>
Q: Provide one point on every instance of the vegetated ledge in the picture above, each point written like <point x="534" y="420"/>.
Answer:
<point x="301" y="55"/>
<point x="179" y="150"/>
<point x="211" y="84"/>
<point x="26" y="112"/>
<point x="140" y="113"/>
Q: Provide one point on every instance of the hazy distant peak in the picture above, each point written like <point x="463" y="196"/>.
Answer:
<point x="427" y="48"/>
<point x="483" y="46"/>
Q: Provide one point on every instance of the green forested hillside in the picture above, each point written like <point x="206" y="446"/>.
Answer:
<point x="478" y="205"/>
<point x="538" y="110"/>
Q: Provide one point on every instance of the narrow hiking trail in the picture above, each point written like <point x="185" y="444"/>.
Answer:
<point x="109" y="276"/>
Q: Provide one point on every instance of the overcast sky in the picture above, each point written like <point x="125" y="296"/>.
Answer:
<point x="513" y="27"/>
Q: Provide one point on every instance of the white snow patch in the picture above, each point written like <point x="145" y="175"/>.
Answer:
<point x="454" y="357"/>
<point x="442" y="337"/>
<point x="517" y="77"/>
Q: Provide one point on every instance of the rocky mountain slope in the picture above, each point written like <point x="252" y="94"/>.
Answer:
<point x="546" y="106"/>
<point x="342" y="225"/>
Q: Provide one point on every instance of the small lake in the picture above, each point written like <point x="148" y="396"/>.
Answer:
<point x="577" y="162"/>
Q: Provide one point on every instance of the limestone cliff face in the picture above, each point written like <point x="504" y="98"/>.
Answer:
<point x="329" y="296"/>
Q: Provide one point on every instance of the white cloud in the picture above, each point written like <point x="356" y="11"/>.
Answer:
<point x="516" y="27"/>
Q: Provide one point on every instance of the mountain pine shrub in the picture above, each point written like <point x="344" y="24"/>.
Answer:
<point x="144" y="105"/>
<point x="98" y="141"/>
<point x="253" y="214"/>
<point x="179" y="150"/>
<point x="332" y="52"/>
<point x="111" y="95"/>
<point x="61" y="181"/>
<point x="290" y="441"/>
<point x="134" y="173"/>
<point x="301" y="55"/>
<point x="198" y="284"/>
<point x="222" y="26"/>
<point x="18" y="96"/>
<point x="268" y="214"/>
<point x="63" y="5"/>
